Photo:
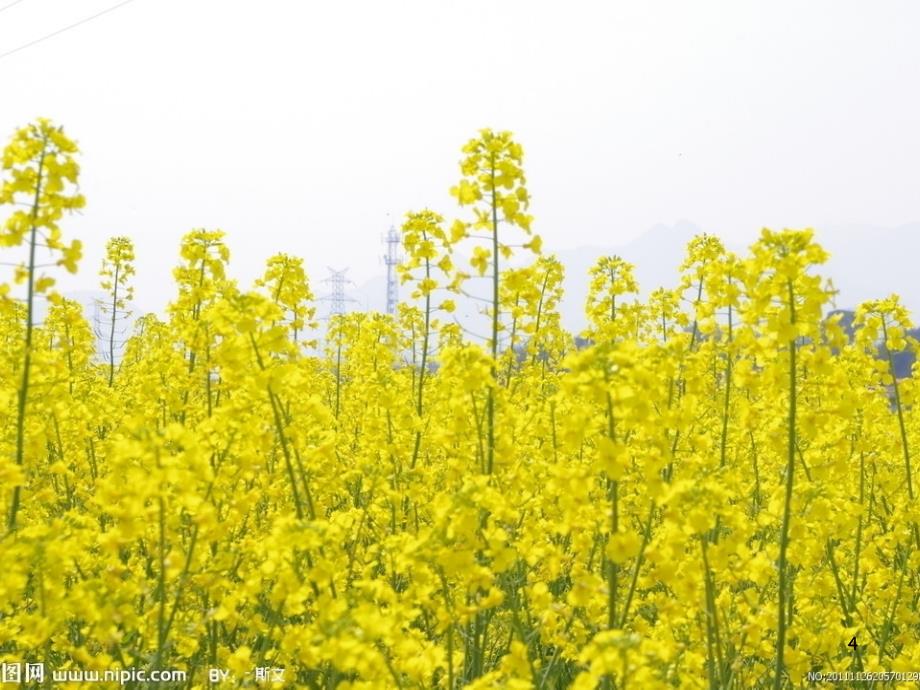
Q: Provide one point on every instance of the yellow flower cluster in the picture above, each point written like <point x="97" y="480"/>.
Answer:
<point x="715" y="491"/>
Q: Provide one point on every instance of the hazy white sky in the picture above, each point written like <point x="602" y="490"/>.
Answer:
<point x="310" y="126"/>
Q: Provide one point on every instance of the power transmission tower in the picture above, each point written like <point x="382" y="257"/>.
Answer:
<point x="392" y="259"/>
<point x="111" y="330"/>
<point x="337" y="298"/>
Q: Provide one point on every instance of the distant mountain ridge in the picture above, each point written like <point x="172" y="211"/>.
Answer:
<point x="866" y="262"/>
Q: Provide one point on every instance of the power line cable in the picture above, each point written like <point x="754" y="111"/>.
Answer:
<point x="6" y="7"/>
<point x="66" y="28"/>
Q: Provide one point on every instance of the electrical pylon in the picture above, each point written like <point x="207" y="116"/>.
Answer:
<point x="337" y="298"/>
<point x="392" y="260"/>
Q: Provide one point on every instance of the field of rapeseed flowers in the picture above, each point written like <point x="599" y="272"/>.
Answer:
<point x="715" y="492"/>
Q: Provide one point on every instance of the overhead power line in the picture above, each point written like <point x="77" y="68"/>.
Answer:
<point x="62" y="30"/>
<point x="9" y="5"/>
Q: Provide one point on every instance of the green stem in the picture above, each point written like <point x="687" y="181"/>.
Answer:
<point x="161" y="587"/>
<point x="646" y="535"/>
<point x="613" y="495"/>
<point x="490" y="403"/>
<point x="728" y="391"/>
<point x="112" y="327"/>
<point x="756" y="500"/>
<point x="841" y="595"/>
<point x="859" y="526"/>
<point x="536" y="330"/>
<point x="279" y="425"/>
<point x="612" y="566"/>
<point x="712" y="619"/>
<point x="787" y="510"/>
<point x="420" y="399"/>
<point x="886" y="631"/>
<point x="338" y="378"/>
<point x="897" y="400"/>
<point x="27" y="359"/>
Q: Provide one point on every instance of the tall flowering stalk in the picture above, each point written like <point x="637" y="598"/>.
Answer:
<point x="786" y="303"/>
<point x="494" y="185"/>
<point x="117" y="268"/>
<point x="286" y="282"/>
<point x="42" y="174"/>
<point x="611" y="278"/>
<point x="427" y="266"/>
